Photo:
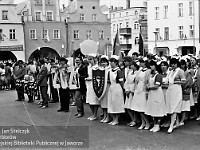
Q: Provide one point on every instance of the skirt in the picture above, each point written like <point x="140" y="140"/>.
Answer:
<point x="104" y="99"/>
<point x="185" y="105"/>
<point x="91" y="97"/>
<point x="115" y="99"/>
<point x="128" y="101"/>
<point x="164" y="93"/>
<point x="156" y="106"/>
<point x="191" y="99"/>
<point x="174" y="99"/>
<point x="139" y="101"/>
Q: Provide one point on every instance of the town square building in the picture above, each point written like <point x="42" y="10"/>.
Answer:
<point x="173" y="27"/>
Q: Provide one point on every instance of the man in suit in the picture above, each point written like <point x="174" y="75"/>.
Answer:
<point x="42" y="83"/>
<point x="19" y="76"/>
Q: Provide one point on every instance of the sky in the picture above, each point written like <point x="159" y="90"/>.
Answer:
<point x="102" y="2"/>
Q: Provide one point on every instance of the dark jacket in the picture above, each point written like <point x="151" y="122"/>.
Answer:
<point x="20" y="73"/>
<point x="42" y="77"/>
<point x="83" y="72"/>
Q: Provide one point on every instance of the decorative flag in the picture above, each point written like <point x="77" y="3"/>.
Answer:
<point x="116" y="47"/>
<point x="141" y="45"/>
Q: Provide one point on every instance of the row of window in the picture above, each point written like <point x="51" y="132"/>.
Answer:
<point x="180" y="10"/>
<point x="32" y="34"/>
<point x="180" y="31"/>
<point x="88" y="34"/>
<point x="94" y="17"/>
<point x="39" y="2"/>
<point x="120" y="25"/>
<point x="38" y="15"/>
<point x="49" y="16"/>
<point x="123" y="14"/>
<point x="12" y="35"/>
<point x="44" y="34"/>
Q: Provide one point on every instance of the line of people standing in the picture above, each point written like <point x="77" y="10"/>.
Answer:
<point x="163" y="95"/>
<point x="150" y="93"/>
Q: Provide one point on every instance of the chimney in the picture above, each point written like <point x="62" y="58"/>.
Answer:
<point x="128" y="4"/>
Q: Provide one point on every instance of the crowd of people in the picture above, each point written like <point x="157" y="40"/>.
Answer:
<point x="153" y="91"/>
<point x="6" y="80"/>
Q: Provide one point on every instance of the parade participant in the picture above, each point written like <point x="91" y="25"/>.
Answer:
<point x="104" y="63"/>
<point x="42" y="83"/>
<point x="8" y="74"/>
<point x="140" y="94"/>
<point x="91" y="98"/>
<point x="127" y="60"/>
<point x="186" y="89"/>
<point x="115" y="93"/>
<point x="48" y="66"/>
<point x="31" y="68"/>
<point x="193" y="98"/>
<point x="19" y="76"/>
<point x="81" y="73"/>
<point x="129" y="86"/>
<point x="53" y="91"/>
<point x="38" y="68"/>
<point x="2" y="76"/>
<point x="29" y="86"/>
<point x="63" y="76"/>
<point x="155" y="106"/>
<point x="12" y="84"/>
<point x="174" y="92"/>
<point x="198" y="88"/>
<point x="135" y="56"/>
<point x="164" y="73"/>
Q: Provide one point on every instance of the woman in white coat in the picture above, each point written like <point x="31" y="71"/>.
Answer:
<point x="115" y="93"/>
<point x="129" y="87"/>
<point x="174" y="92"/>
<point x="91" y="98"/>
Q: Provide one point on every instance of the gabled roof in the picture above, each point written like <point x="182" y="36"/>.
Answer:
<point x="21" y="7"/>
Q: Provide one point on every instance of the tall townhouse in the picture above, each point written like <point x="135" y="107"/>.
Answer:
<point x="11" y="32"/>
<point x="86" y="22"/>
<point x="173" y="27"/>
<point x="44" y="29"/>
<point x="129" y="23"/>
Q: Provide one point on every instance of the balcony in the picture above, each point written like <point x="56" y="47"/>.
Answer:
<point x="125" y="47"/>
<point x="125" y="31"/>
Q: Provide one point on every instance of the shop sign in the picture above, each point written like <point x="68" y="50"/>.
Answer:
<point x="12" y="48"/>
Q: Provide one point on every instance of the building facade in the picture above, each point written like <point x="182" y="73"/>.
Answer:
<point x="173" y="27"/>
<point x="11" y="32"/>
<point x="44" y="29"/>
<point x="129" y="22"/>
<point x="86" y="22"/>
